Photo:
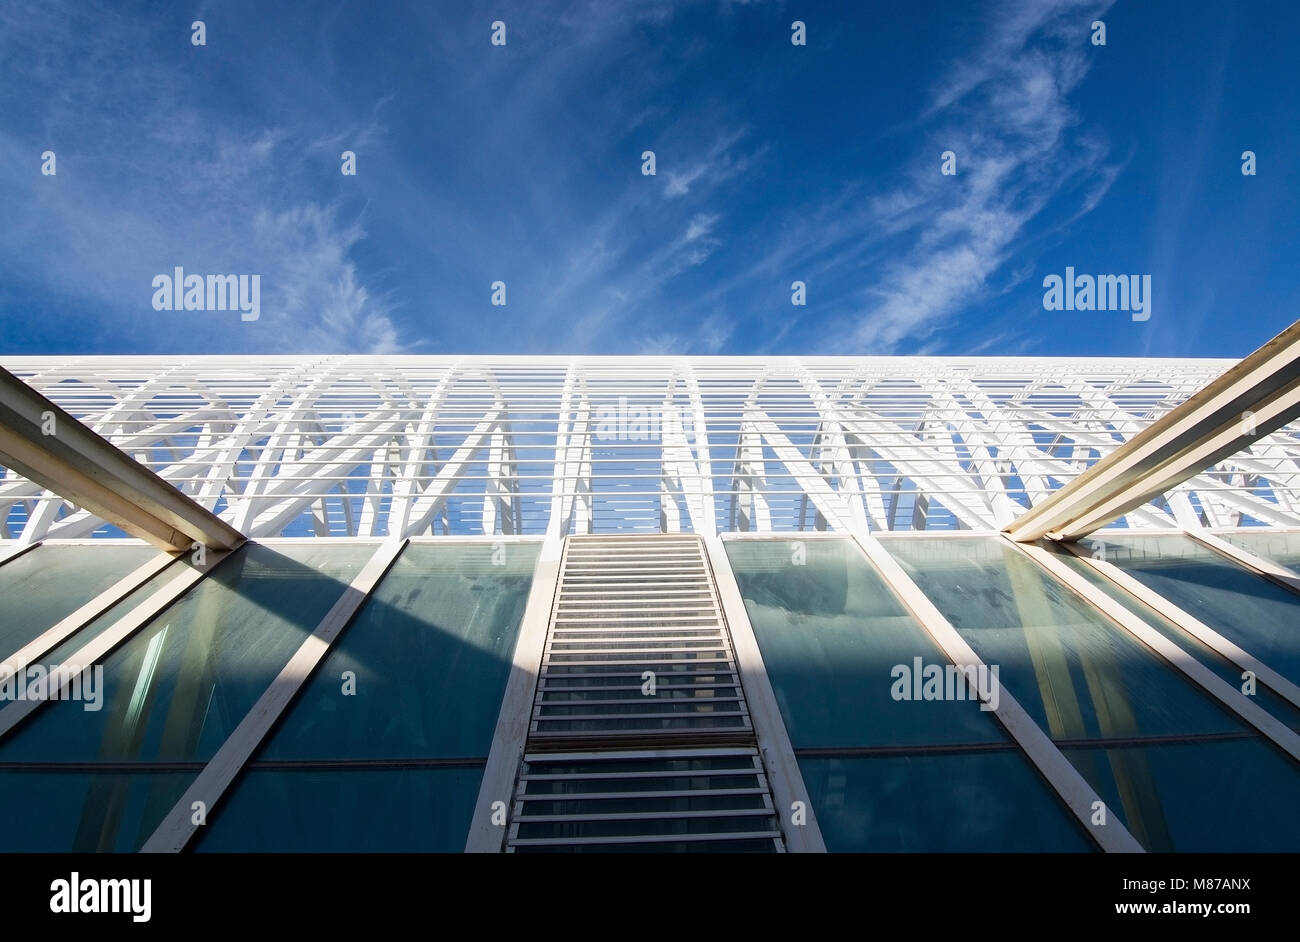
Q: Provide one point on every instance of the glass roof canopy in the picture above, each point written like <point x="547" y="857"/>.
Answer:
<point x="387" y="743"/>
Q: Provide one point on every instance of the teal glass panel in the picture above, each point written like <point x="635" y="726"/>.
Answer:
<point x="419" y="675"/>
<point x="1083" y="679"/>
<point x="958" y="802"/>
<point x="1077" y="675"/>
<point x="82" y="811"/>
<point x="180" y="685"/>
<point x="429" y="654"/>
<point x="174" y="692"/>
<point x="391" y="810"/>
<point x="1247" y="609"/>
<point x="67" y="651"/>
<point x="1220" y="665"/>
<point x="1235" y="795"/>
<point x="831" y="634"/>
<point x="45" y="585"/>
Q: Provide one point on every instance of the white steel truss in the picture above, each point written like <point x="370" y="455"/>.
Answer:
<point x="403" y="446"/>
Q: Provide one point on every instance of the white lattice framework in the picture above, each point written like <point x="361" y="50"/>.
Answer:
<point x="411" y="445"/>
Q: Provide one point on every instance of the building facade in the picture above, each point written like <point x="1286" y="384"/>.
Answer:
<point x="645" y="603"/>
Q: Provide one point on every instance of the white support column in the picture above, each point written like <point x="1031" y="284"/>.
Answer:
<point x="557" y="521"/>
<point x="244" y="508"/>
<point x="828" y="501"/>
<point x="90" y="472"/>
<point x="1249" y="401"/>
<point x="682" y="473"/>
<point x="835" y="452"/>
<point x="291" y="490"/>
<point x="434" y="497"/>
<point x="418" y="443"/>
<point x="749" y="507"/>
<point x="708" y="523"/>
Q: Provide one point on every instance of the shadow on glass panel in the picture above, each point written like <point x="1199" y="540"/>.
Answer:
<point x="163" y="702"/>
<point x="891" y="763"/>
<point x="1147" y="739"/>
<point x="395" y="724"/>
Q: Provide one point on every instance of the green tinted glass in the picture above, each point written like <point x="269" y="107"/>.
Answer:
<point x="422" y="668"/>
<point x="1247" y="609"/>
<point x="419" y="676"/>
<point x="832" y="634"/>
<point x="955" y="802"/>
<point x="172" y="694"/>
<point x="886" y="771"/>
<point x="389" y="810"/>
<point x="45" y="585"/>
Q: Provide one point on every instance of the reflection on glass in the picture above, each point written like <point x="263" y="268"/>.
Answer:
<point x="1281" y="547"/>
<point x="1258" y="615"/>
<point x="831" y="634"/>
<point x="956" y="802"/>
<point x="67" y="810"/>
<point x="1088" y="682"/>
<point x="428" y="654"/>
<point x="1220" y="665"/>
<point x="883" y="773"/>
<point x="43" y="586"/>
<point x="174" y="691"/>
<point x="419" y="674"/>
<point x="415" y="810"/>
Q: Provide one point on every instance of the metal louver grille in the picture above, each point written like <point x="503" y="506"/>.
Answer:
<point x="637" y="648"/>
<point x="640" y="737"/>
<point x="678" y="800"/>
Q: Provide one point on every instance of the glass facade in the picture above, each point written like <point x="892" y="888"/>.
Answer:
<point x="46" y="584"/>
<point x="1249" y="610"/>
<point x="385" y="746"/>
<point x="1163" y="755"/>
<point x="400" y="714"/>
<point x="881" y="770"/>
<point x="170" y="697"/>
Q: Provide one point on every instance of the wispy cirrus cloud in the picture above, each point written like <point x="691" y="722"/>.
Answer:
<point x="1006" y="116"/>
<point x="719" y="163"/>
<point x="181" y="185"/>
<point x="522" y="164"/>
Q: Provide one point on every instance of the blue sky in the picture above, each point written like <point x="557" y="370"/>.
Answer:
<point x="775" y="163"/>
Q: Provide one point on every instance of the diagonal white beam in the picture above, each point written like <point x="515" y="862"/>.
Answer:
<point x="86" y="469"/>
<point x="1257" y="396"/>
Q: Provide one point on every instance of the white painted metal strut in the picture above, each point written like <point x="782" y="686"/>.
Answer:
<point x="487" y="830"/>
<point x="178" y="828"/>
<point x="1064" y="778"/>
<point x="52" y="448"/>
<point x="789" y="793"/>
<point x="102" y="644"/>
<point x="409" y="445"/>
<point x="1250" y="400"/>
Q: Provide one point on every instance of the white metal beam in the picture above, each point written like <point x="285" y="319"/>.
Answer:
<point x="1257" y="396"/>
<point x="89" y="471"/>
<point x="178" y="828"/>
<point x="1037" y="746"/>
